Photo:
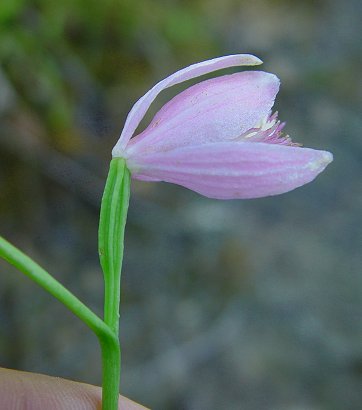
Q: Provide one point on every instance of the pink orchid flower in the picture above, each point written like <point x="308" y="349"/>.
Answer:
<point x="218" y="137"/>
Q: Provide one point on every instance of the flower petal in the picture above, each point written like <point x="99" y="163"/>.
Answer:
<point x="229" y="170"/>
<point x="140" y="108"/>
<point x="215" y="110"/>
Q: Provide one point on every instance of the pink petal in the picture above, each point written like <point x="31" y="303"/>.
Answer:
<point x="140" y="108"/>
<point x="215" y="110"/>
<point x="228" y="170"/>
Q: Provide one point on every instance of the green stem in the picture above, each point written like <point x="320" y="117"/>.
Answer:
<point x="111" y="372"/>
<point x="111" y="243"/>
<point x="111" y="237"/>
<point x="39" y="275"/>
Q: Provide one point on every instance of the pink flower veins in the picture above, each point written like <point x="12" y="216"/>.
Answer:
<point x="218" y="137"/>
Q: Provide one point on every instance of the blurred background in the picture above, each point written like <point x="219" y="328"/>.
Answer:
<point x="225" y="304"/>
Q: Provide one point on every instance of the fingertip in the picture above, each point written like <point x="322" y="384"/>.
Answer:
<point x="33" y="391"/>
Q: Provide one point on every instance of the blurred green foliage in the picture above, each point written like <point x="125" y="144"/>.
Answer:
<point x="53" y="51"/>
